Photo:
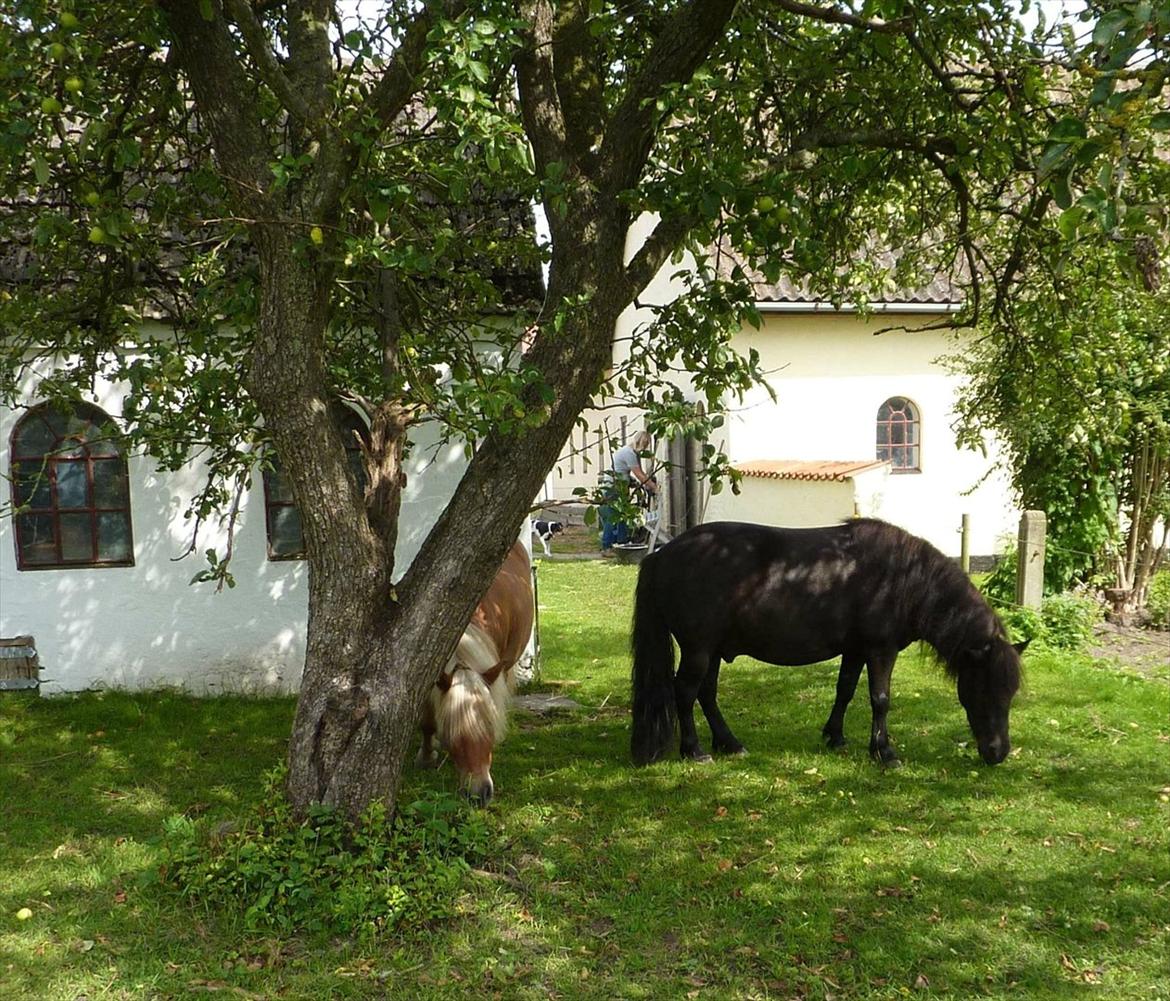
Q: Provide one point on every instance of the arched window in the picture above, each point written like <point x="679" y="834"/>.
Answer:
<point x="70" y="491"/>
<point x="286" y="536"/>
<point x="899" y="434"/>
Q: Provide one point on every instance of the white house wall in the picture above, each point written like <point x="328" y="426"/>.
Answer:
<point x="830" y="374"/>
<point x="792" y="503"/>
<point x="145" y="625"/>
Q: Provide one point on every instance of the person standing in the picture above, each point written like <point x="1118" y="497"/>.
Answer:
<point x="626" y="472"/>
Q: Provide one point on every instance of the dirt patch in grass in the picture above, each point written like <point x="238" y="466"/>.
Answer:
<point x="1146" y="651"/>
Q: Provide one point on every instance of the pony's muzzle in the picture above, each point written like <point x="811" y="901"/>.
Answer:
<point x="479" y="791"/>
<point x="995" y="750"/>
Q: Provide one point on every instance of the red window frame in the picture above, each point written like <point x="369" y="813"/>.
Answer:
<point x="899" y="435"/>
<point x="73" y="446"/>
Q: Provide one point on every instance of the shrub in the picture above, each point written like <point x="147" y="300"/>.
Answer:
<point x="999" y="584"/>
<point x="1068" y="620"/>
<point x="324" y="874"/>
<point x="1065" y="621"/>
<point x="1023" y="625"/>
<point x="1158" y="599"/>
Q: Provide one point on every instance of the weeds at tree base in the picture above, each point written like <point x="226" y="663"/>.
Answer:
<point x="324" y="874"/>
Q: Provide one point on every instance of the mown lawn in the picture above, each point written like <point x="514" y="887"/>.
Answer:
<point x="791" y="873"/>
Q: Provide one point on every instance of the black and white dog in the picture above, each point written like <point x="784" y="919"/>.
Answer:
<point x="545" y="530"/>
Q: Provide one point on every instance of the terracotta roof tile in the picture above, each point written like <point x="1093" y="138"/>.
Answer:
<point x="800" y="469"/>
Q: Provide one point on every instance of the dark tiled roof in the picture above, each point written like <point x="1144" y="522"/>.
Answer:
<point x="939" y="290"/>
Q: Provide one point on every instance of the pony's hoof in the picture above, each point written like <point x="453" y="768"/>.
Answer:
<point x="888" y="760"/>
<point x="834" y="743"/>
<point x="698" y="758"/>
<point x="733" y="751"/>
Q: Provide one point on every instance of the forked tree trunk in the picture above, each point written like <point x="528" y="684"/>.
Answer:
<point x="373" y="650"/>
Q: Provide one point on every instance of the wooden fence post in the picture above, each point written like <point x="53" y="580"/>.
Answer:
<point x="965" y="545"/>
<point x="1030" y="559"/>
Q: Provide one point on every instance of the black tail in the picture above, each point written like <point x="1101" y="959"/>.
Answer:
<point x="653" y="674"/>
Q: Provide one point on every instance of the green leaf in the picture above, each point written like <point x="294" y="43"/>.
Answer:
<point x="1102" y="89"/>
<point x="1069" y="221"/>
<point x="1107" y="28"/>
<point x="1054" y="153"/>
<point x="1160" y="121"/>
<point x="1060" y="190"/>
<point x="41" y="170"/>
<point x="1068" y="128"/>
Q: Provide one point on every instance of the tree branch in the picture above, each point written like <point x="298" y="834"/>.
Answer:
<point x="398" y="82"/>
<point x="391" y="94"/>
<point x="655" y="251"/>
<point x="817" y="138"/>
<point x="544" y="119"/>
<point x="222" y="92"/>
<point x="684" y="43"/>
<point x="256" y="42"/>
<point x="831" y="15"/>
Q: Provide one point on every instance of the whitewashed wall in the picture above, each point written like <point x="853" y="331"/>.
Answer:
<point x="830" y="374"/>
<point x="800" y="503"/>
<point x="145" y="626"/>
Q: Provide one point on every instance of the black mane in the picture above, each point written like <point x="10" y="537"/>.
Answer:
<point x="926" y="590"/>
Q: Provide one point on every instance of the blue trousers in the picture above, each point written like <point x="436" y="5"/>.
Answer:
<point x="613" y="532"/>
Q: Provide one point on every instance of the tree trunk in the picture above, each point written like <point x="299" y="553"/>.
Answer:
<point x="373" y="650"/>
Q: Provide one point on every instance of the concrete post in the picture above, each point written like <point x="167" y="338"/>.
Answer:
<point x="1030" y="559"/>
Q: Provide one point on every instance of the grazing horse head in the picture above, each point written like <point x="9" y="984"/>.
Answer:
<point x="988" y="677"/>
<point x="471" y="703"/>
<point x="468" y="705"/>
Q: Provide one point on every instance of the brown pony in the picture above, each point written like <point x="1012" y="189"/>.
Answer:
<point x="468" y="707"/>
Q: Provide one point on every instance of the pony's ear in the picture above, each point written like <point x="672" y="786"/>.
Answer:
<point x="1021" y="647"/>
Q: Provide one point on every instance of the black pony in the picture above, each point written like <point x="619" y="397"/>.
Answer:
<point x="863" y="590"/>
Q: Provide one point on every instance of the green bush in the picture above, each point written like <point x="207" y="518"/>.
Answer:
<point x="324" y="874"/>
<point x="1158" y="600"/>
<point x="1069" y="620"/>
<point x="1064" y="622"/>
<point x="1023" y="625"/>
<point x="999" y="584"/>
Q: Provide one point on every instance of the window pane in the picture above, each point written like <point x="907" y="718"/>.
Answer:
<point x="76" y="538"/>
<point x="277" y="486"/>
<point x="32" y="485"/>
<point x="70" y="448"/>
<point x="102" y="441"/>
<point x="286" y="538"/>
<point x="109" y="484"/>
<point x="72" y="489"/>
<point x="114" y="536"/>
<point x="34" y="438"/>
<point x="883" y="434"/>
<point x="34" y="534"/>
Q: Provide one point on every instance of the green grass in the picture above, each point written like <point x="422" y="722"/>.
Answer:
<point x="791" y="873"/>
